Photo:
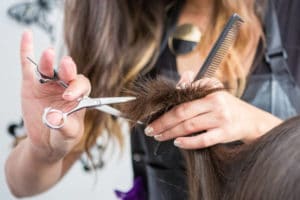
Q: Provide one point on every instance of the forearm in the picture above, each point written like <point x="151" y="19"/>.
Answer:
<point x="28" y="174"/>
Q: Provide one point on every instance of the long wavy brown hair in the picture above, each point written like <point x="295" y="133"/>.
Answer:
<point x="111" y="41"/>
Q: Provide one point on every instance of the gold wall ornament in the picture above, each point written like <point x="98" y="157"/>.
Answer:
<point x="184" y="39"/>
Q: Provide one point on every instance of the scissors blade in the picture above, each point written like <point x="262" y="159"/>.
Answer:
<point x="115" y="112"/>
<point x="109" y="110"/>
<point x="115" y="100"/>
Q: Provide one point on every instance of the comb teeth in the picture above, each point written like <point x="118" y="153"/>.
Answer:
<point x="221" y="47"/>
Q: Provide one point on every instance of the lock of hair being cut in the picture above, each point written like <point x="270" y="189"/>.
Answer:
<point x="155" y="97"/>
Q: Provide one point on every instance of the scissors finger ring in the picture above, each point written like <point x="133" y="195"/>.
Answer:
<point x="48" y="111"/>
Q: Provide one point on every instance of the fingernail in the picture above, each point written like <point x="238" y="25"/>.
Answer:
<point x="177" y="143"/>
<point x="148" y="131"/>
<point x="68" y="94"/>
<point x="158" y="137"/>
<point x="182" y="86"/>
<point x="51" y="50"/>
<point x="29" y="32"/>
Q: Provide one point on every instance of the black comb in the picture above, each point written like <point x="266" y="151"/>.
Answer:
<point x="221" y="47"/>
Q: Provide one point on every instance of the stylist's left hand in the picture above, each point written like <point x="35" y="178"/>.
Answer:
<point x="222" y="116"/>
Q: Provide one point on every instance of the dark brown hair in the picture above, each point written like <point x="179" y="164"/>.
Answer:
<point x="269" y="167"/>
<point x="266" y="169"/>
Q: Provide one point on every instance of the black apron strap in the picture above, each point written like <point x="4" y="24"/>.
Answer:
<point x="275" y="55"/>
<point x="170" y="23"/>
<point x="172" y="14"/>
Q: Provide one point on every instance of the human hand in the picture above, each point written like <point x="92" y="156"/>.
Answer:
<point x="223" y="117"/>
<point x="48" y="143"/>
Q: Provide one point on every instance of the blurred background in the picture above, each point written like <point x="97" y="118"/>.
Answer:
<point x="44" y="18"/>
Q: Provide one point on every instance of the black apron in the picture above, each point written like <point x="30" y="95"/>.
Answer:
<point x="274" y="90"/>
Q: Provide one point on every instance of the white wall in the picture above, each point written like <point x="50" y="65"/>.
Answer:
<point x="76" y="185"/>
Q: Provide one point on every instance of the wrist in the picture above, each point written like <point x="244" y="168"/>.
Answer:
<point x="42" y="154"/>
<point x="263" y="124"/>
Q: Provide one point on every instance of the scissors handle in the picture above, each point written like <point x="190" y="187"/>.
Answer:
<point x="45" y="79"/>
<point x="45" y="118"/>
<point x="84" y="102"/>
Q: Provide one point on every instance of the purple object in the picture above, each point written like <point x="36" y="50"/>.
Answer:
<point x="137" y="192"/>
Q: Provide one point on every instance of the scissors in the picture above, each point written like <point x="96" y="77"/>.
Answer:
<point x="45" y="79"/>
<point x="101" y="104"/>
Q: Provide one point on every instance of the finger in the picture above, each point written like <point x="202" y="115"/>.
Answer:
<point x="207" y="139"/>
<point x="179" y="114"/>
<point x="78" y="87"/>
<point x="194" y="125"/>
<point x="67" y="69"/>
<point x="209" y="83"/>
<point x="26" y="50"/>
<point x="185" y="79"/>
<point x="47" y="62"/>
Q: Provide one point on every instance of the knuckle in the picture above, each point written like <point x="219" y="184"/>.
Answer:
<point x="24" y="62"/>
<point x="227" y="118"/>
<point x="179" y="111"/>
<point x="206" y="141"/>
<point x="84" y="78"/>
<point x="221" y="109"/>
<point x="189" y="126"/>
<point x="167" y="135"/>
<point x="224" y="116"/>
<point x="217" y="98"/>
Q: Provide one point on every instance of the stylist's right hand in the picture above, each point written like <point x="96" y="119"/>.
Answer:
<point x="48" y="143"/>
